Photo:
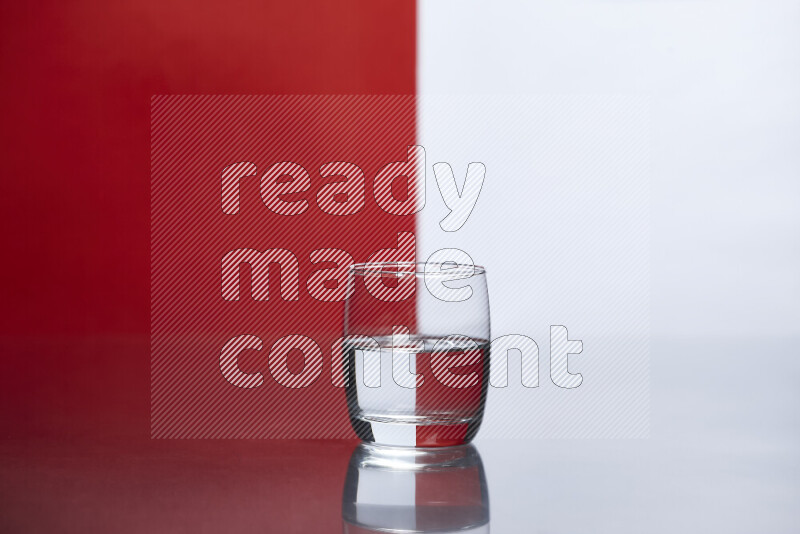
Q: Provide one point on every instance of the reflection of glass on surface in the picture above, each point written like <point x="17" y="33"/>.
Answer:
<point x="415" y="490"/>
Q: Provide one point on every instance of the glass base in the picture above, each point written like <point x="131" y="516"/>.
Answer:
<point x="427" y="433"/>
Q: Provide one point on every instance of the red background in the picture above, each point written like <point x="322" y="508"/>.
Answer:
<point x="77" y="78"/>
<point x="193" y="140"/>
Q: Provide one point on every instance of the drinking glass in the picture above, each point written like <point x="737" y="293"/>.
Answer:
<point x="416" y="352"/>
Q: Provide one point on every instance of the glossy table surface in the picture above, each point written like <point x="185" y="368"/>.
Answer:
<point x="723" y="456"/>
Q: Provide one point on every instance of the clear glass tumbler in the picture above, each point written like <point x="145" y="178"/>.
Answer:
<point x="416" y="352"/>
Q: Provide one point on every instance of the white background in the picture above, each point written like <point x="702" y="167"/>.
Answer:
<point x="723" y="81"/>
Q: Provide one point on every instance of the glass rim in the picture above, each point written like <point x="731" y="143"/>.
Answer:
<point x="395" y="268"/>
